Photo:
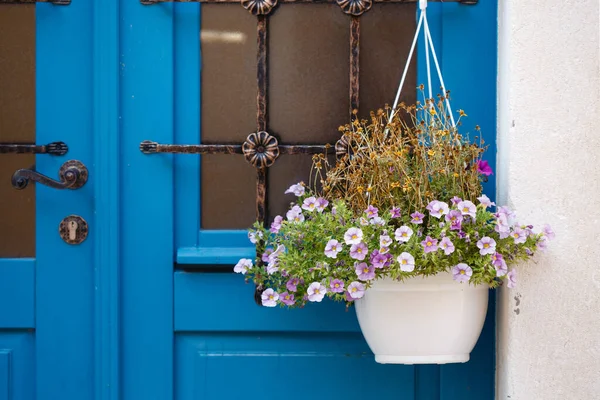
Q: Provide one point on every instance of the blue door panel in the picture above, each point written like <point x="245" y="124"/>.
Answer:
<point x="17" y="293"/>
<point x="291" y="365"/>
<point x="17" y="365"/>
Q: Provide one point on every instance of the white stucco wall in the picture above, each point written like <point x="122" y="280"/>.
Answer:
<point x="549" y="171"/>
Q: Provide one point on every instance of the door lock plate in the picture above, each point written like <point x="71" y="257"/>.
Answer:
<point x="73" y="229"/>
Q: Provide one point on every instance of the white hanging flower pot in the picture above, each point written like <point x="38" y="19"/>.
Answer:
<point x="422" y="320"/>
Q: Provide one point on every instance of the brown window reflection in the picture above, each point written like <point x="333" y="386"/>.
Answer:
<point x="17" y="124"/>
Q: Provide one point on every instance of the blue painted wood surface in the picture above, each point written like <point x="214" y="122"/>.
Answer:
<point x="147" y="253"/>
<point x="17" y="365"/>
<point x="64" y="273"/>
<point x="17" y="293"/>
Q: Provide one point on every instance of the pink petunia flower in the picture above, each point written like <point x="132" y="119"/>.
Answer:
<point x="385" y="241"/>
<point x="353" y="236"/>
<point x="310" y="203"/>
<point x="437" y="208"/>
<point x="295" y="214"/>
<point x="403" y="234"/>
<point x="455" y="218"/>
<point x="447" y="245"/>
<point x="429" y="245"/>
<point x="243" y="266"/>
<point x="483" y="167"/>
<point x="359" y="251"/>
<point x="406" y="261"/>
<point x="519" y="235"/>
<point x="485" y="201"/>
<point x="371" y="212"/>
<point x="395" y="212"/>
<point x="276" y="225"/>
<point x="287" y="298"/>
<point x="322" y="204"/>
<point x="316" y="291"/>
<point x="512" y="278"/>
<point x="269" y="298"/>
<point x="364" y="271"/>
<point x="356" y="290"/>
<point x="337" y="286"/>
<point x="417" y="217"/>
<point x="467" y="208"/>
<point x="297" y="189"/>
<point x="332" y="248"/>
<point x="462" y="272"/>
<point x="486" y="245"/>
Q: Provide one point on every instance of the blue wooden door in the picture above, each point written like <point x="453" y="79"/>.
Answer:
<point x="190" y="327"/>
<point x="148" y="306"/>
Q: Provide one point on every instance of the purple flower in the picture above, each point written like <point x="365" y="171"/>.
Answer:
<point x="417" y="217"/>
<point x="356" y="290"/>
<point x="266" y="254"/>
<point x="380" y="260"/>
<point x="502" y="226"/>
<point x="243" y="266"/>
<point x="377" y="221"/>
<point x="297" y="189"/>
<point x="385" y="241"/>
<point x="512" y="278"/>
<point x="519" y="235"/>
<point x="348" y="297"/>
<point x="332" y="248"/>
<point x="437" y="208"/>
<point x="363" y="221"/>
<point x="497" y="259"/>
<point x="322" y="204"/>
<point x="447" y="245"/>
<point x="287" y="298"/>
<point x="274" y="255"/>
<point x="337" y="286"/>
<point x="542" y="243"/>
<point x="353" y="236"/>
<point x="403" y="234"/>
<point x="406" y="261"/>
<point x="465" y="236"/>
<point x="429" y="245"/>
<point x="501" y="268"/>
<point x="295" y="214"/>
<point x="371" y="211"/>
<point x="254" y="236"/>
<point x="461" y="272"/>
<point x="467" y="208"/>
<point x="486" y="245"/>
<point x="485" y="201"/>
<point x="272" y="267"/>
<point x="292" y="284"/>
<point x="269" y="298"/>
<point x="455" y="218"/>
<point x="395" y="212"/>
<point x="309" y="204"/>
<point x="455" y="200"/>
<point x="548" y="232"/>
<point x="276" y="225"/>
<point x="484" y="168"/>
<point x="316" y="292"/>
<point x="364" y="271"/>
<point x="359" y="251"/>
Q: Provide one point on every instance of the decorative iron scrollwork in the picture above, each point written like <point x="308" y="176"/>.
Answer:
<point x="355" y="7"/>
<point x="73" y="175"/>
<point x="261" y="149"/>
<point x="259" y="7"/>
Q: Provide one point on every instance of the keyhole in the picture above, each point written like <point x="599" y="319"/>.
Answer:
<point x="73" y="230"/>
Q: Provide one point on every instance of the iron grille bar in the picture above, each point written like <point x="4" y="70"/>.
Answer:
<point x="261" y="74"/>
<point x="148" y="147"/>
<point x="354" y="64"/>
<point x="55" y="148"/>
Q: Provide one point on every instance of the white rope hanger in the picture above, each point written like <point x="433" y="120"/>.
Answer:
<point x="428" y="45"/>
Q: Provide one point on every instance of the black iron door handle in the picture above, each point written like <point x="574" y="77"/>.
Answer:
<point x="73" y="175"/>
<point x="54" y="148"/>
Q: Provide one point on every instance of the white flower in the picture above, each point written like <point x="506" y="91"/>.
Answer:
<point x="403" y="234"/>
<point x="269" y="298"/>
<point x="406" y="261"/>
<point x="242" y="266"/>
<point x="353" y="236"/>
<point x="316" y="292"/>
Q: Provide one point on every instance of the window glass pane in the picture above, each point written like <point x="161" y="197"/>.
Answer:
<point x="228" y="192"/>
<point x="228" y="76"/>
<point x="386" y="34"/>
<point x="17" y="124"/>
<point x="309" y="50"/>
